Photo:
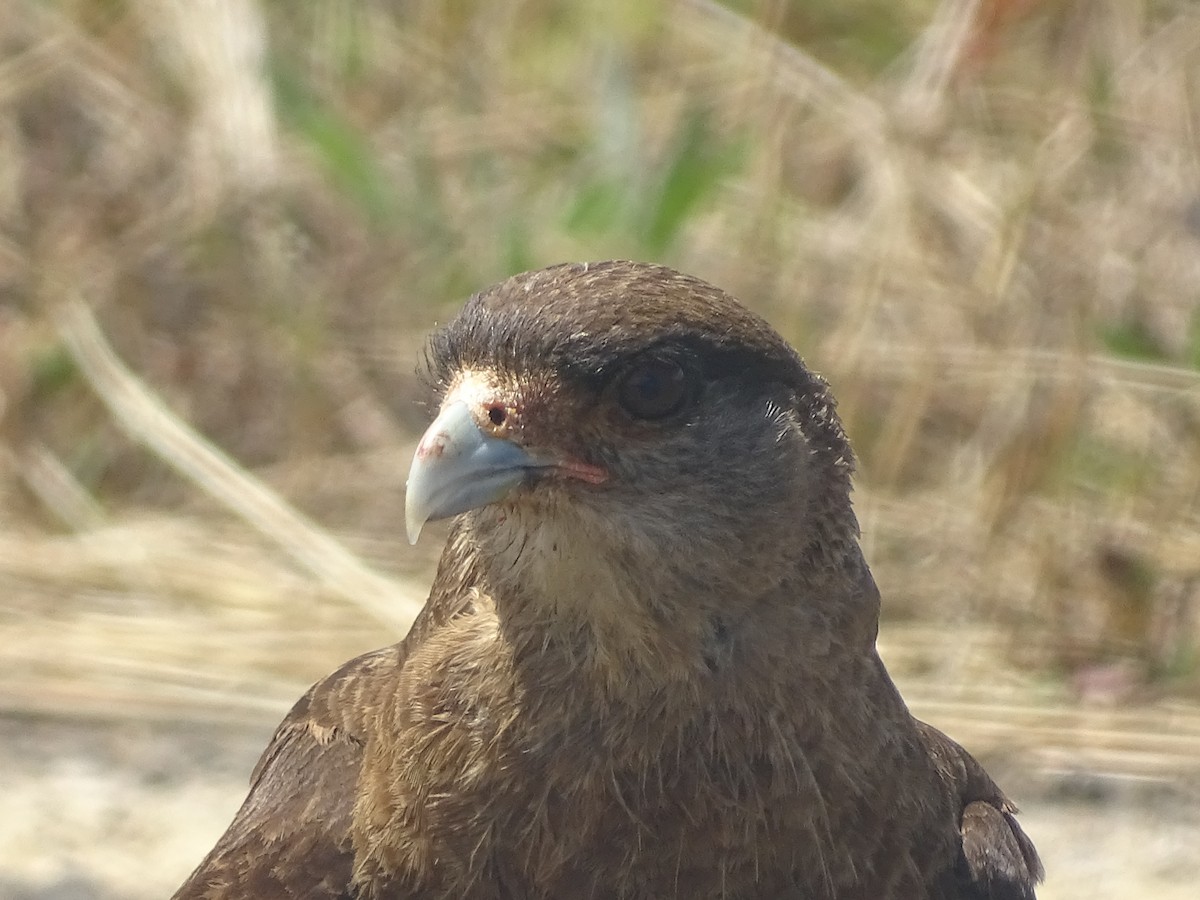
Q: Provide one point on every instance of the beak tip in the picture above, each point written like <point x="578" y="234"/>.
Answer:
<point x="414" y="521"/>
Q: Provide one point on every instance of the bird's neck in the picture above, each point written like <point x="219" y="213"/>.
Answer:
<point x="627" y="627"/>
<point x="580" y="605"/>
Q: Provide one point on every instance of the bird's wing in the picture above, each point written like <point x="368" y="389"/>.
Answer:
<point x="997" y="860"/>
<point x="291" y="837"/>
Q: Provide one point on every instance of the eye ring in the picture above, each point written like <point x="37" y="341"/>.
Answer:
<point x="654" y="388"/>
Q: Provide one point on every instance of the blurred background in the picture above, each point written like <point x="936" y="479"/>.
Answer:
<point x="226" y="227"/>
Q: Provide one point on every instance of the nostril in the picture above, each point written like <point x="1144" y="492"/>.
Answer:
<point x="497" y="415"/>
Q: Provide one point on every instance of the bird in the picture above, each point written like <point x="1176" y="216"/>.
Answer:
<point x="647" y="666"/>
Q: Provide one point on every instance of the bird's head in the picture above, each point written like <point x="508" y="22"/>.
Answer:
<point x="632" y="415"/>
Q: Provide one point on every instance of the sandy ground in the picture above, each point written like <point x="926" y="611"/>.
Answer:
<point x="110" y="810"/>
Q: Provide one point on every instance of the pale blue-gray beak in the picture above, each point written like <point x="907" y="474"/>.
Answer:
<point x="458" y="467"/>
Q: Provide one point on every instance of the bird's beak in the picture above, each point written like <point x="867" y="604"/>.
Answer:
<point x="458" y="467"/>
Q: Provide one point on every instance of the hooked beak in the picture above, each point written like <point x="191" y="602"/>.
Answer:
<point x="458" y="467"/>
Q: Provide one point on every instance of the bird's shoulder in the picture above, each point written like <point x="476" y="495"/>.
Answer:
<point x="997" y="861"/>
<point x="292" y="837"/>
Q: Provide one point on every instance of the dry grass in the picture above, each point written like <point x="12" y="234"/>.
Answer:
<point x="981" y="220"/>
<point x="989" y="247"/>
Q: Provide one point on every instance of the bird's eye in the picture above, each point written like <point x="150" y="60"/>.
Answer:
<point x="653" y="389"/>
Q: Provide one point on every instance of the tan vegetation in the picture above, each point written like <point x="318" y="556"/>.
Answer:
<point x="979" y="219"/>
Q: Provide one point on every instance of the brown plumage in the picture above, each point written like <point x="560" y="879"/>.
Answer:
<point x="647" y="666"/>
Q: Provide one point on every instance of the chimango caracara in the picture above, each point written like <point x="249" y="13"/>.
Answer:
<point x="647" y="666"/>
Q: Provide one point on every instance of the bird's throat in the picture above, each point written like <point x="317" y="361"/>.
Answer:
<point x="581" y="598"/>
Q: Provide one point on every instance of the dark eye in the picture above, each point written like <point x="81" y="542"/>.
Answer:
<point x="653" y="389"/>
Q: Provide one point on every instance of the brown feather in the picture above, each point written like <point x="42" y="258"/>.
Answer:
<point x="661" y="685"/>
